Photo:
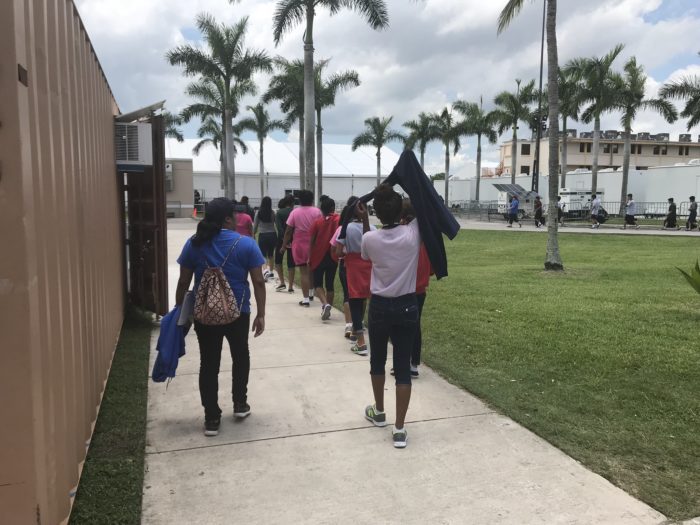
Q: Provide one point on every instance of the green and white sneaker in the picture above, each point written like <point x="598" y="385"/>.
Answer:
<point x="359" y="350"/>
<point x="400" y="437"/>
<point x="376" y="417"/>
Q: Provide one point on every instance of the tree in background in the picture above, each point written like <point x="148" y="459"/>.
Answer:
<point x="289" y="14"/>
<point x="481" y="124"/>
<point x="326" y="91"/>
<point x="552" y="257"/>
<point x="228" y="61"/>
<point x="599" y="85"/>
<point x="171" y="123"/>
<point x="211" y="133"/>
<point x="377" y="134"/>
<point x="630" y="102"/>
<point x="448" y="131"/>
<point x="569" y="108"/>
<point x="262" y="125"/>
<point x="688" y="90"/>
<point x="512" y="108"/>
<point x="420" y="132"/>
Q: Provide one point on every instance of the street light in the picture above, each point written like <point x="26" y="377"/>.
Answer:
<point x="536" y="167"/>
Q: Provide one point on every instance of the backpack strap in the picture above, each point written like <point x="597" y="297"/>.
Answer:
<point x="233" y="246"/>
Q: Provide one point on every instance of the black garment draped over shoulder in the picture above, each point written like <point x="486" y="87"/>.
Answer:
<point x="434" y="219"/>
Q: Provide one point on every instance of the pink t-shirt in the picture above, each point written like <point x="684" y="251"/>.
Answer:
<point x="244" y="224"/>
<point x="301" y="219"/>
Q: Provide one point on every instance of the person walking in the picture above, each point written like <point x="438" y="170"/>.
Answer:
<point x="250" y="212"/>
<point x="513" y="212"/>
<point x="560" y="210"/>
<point x="670" y="223"/>
<point x="321" y="262"/>
<point x="393" y="312"/>
<point x="692" y="214"/>
<point x="217" y="244"/>
<point x="630" y="212"/>
<point x="284" y="208"/>
<point x="244" y="223"/>
<point x="595" y="211"/>
<point x="539" y="217"/>
<point x="359" y="274"/>
<point x="299" y="225"/>
<point x="264" y="228"/>
<point x="342" y="273"/>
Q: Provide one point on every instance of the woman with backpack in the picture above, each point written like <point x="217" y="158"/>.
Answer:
<point x="221" y="260"/>
<point x="267" y="239"/>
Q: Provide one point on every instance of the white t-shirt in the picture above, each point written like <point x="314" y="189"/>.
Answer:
<point x="595" y="206"/>
<point x="631" y="208"/>
<point x="353" y="237"/>
<point x="394" y="255"/>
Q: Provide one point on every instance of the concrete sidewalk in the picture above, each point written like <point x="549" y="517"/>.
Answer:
<point x="307" y="455"/>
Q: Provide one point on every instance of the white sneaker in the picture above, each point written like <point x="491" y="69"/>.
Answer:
<point x="326" y="312"/>
<point x="400" y="437"/>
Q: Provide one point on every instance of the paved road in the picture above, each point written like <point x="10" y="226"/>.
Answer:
<point x="306" y="454"/>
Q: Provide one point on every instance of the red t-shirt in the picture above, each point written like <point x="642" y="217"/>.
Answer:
<point x="424" y="271"/>
<point x="323" y="229"/>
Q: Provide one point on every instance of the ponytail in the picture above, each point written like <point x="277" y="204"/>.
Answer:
<point x="215" y="214"/>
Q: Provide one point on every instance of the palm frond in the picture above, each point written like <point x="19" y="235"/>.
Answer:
<point x="288" y="14"/>
<point x="365" y="138"/>
<point x="375" y="12"/>
<point x="509" y="12"/>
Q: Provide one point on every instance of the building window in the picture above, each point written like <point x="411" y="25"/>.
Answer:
<point x="589" y="147"/>
<point x="582" y="147"/>
<point x="524" y="149"/>
<point x="636" y="149"/>
<point x="525" y="170"/>
<point x="616" y="148"/>
<point x="657" y="150"/>
<point x="664" y="150"/>
<point x="684" y="150"/>
<point x="606" y="148"/>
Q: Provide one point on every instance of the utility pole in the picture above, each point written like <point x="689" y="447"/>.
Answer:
<point x="540" y="120"/>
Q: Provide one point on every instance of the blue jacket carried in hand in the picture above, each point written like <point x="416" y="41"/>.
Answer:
<point x="170" y="347"/>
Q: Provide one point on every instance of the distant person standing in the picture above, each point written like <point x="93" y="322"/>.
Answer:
<point x="513" y="212"/>
<point x="299" y="225"/>
<point x="284" y="208"/>
<point x="671" y="218"/>
<point x="630" y="212"/>
<point x="539" y="217"/>
<point x="244" y="224"/>
<point x="248" y="210"/>
<point x="595" y="211"/>
<point x="692" y="214"/>
<point x="560" y="211"/>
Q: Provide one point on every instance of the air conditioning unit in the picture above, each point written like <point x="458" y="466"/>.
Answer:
<point x="133" y="145"/>
<point x="169" y="179"/>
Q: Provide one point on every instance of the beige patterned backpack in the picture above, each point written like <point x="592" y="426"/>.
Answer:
<point x="215" y="304"/>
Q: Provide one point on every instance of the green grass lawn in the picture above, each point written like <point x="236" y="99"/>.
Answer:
<point x="112" y="481"/>
<point x="601" y="360"/>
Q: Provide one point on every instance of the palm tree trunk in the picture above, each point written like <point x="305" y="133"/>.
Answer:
<point x="422" y="157"/>
<point x="552" y="259"/>
<point x="596" y="151"/>
<point x="564" y="154"/>
<point x="319" y="153"/>
<point x="514" y="153"/>
<point x="230" y="169"/>
<point x="262" y="168"/>
<point x="447" y="174"/>
<point x="309" y="99"/>
<point x="379" y="166"/>
<point x="478" y="165"/>
<point x="302" y="165"/>
<point x="625" y="168"/>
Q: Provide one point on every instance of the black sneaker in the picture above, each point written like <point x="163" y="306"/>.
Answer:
<point x="281" y="288"/>
<point x="304" y="303"/>
<point x="241" y="410"/>
<point x="211" y="426"/>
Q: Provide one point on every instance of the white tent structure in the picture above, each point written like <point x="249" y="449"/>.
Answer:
<point x="345" y="172"/>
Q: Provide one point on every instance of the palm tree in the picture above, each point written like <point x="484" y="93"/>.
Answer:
<point x="377" y="134"/>
<point x="227" y="60"/>
<point x="631" y="101"/>
<point x="480" y="123"/>
<point x="209" y="102"/>
<point x="211" y="133"/>
<point x="569" y="108"/>
<point x="421" y="132"/>
<point x="599" y="89"/>
<point x="287" y="87"/>
<point x="448" y="131"/>
<point x="262" y="125"/>
<point x="512" y="108"/>
<point x="552" y="258"/>
<point x="326" y="90"/>
<point x="171" y="123"/>
<point x="290" y="13"/>
<point x="688" y="89"/>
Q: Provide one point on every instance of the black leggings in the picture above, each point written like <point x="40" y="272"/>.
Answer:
<point x="417" y="346"/>
<point x="357" y="312"/>
<point x="211" y="340"/>
<point x="343" y="276"/>
<point x="325" y="273"/>
<point x="394" y="318"/>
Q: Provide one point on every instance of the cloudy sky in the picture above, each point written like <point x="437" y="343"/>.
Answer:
<point x="436" y="51"/>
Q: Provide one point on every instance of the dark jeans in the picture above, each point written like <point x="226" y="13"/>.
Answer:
<point x="357" y="312"/>
<point x="417" y="346"/>
<point x="211" y="340"/>
<point x="279" y="256"/>
<point x="513" y="217"/>
<point x="692" y="217"/>
<point x="394" y="318"/>
<point x="630" y="220"/>
<point x="325" y="273"/>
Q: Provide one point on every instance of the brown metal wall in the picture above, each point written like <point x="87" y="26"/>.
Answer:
<point x="61" y="296"/>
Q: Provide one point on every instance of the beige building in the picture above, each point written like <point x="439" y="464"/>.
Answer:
<point x="179" y="187"/>
<point x="647" y="151"/>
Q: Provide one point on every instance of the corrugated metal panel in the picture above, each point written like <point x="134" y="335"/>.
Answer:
<point x="61" y="296"/>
